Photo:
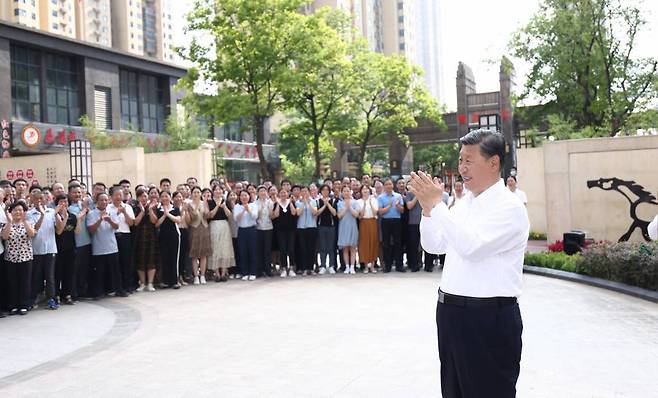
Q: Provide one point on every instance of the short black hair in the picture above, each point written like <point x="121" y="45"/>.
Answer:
<point x="491" y="143"/>
<point x="19" y="180"/>
<point x="35" y="187"/>
<point x="74" y="185"/>
<point x="292" y="188"/>
<point x="285" y="181"/>
<point x="165" y="180"/>
<point x="61" y="197"/>
<point x="17" y="203"/>
<point x="115" y="188"/>
<point x="515" y="180"/>
<point x="100" y="184"/>
<point x="4" y="183"/>
<point x="124" y="181"/>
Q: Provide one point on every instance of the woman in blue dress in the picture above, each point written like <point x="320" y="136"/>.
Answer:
<point x="348" y="233"/>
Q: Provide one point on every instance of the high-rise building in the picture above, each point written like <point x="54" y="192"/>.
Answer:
<point x="128" y="26"/>
<point x="21" y="12"/>
<point x="366" y="17"/>
<point x="94" y="21"/>
<point x="428" y="49"/>
<point x="399" y="26"/>
<point x="372" y="28"/>
<point x="169" y="26"/>
<point x="58" y="17"/>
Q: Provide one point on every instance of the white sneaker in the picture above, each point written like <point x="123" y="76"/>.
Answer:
<point x="150" y="287"/>
<point x="365" y="270"/>
<point x="252" y="277"/>
<point x="347" y="270"/>
<point x="140" y="288"/>
<point x="352" y="270"/>
<point x="238" y="276"/>
<point x="323" y="271"/>
<point x="202" y="280"/>
<point x="283" y="273"/>
<point x="291" y="273"/>
<point x="245" y="278"/>
<point x="196" y="280"/>
<point x="332" y="270"/>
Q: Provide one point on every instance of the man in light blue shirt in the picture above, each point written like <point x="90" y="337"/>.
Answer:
<point x="79" y="207"/>
<point x="104" y="248"/>
<point x="44" y="247"/>
<point x="307" y="231"/>
<point x="390" y="211"/>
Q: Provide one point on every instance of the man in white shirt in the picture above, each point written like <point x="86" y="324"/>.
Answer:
<point x="653" y="229"/>
<point x="511" y="184"/>
<point x="126" y="216"/>
<point x="478" y="319"/>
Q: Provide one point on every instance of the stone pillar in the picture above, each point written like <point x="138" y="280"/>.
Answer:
<point x="397" y="152"/>
<point x="5" y="80"/>
<point x="506" y="76"/>
<point x="465" y="83"/>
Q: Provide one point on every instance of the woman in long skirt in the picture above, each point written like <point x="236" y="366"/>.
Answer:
<point x="166" y="218"/>
<point x="368" y="233"/>
<point x="200" y="248"/>
<point x="145" y="244"/>
<point x="220" y="235"/>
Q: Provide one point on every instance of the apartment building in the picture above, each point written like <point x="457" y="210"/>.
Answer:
<point x="24" y="12"/>
<point x="94" y="21"/>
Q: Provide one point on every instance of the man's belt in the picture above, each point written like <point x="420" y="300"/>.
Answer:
<point x="463" y="301"/>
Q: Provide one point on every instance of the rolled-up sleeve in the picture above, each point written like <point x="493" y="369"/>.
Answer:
<point x="431" y="234"/>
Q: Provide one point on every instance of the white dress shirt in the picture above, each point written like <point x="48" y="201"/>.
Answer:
<point x="44" y="241"/>
<point x="653" y="229"/>
<point x="249" y="218"/>
<point x="484" y="239"/>
<point x="371" y="207"/>
<point x="124" y="228"/>
<point x="521" y="195"/>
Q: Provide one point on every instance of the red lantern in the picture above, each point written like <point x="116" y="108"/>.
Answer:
<point x="475" y="117"/>
<point x="50" y="138"/>
<point x="505" y="115"/>
<point x="461" y="118"/>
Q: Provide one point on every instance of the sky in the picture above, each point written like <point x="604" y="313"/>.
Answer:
<point x="477" y="32"/>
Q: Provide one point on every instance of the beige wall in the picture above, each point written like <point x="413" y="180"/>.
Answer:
<point x="111" y="165"/>
<point x="178" y="166"/>
<point x="569" y="203"/>
<point x="530" y="162"/>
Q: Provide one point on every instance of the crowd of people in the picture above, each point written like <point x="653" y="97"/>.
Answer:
<point x="62" y="244"/>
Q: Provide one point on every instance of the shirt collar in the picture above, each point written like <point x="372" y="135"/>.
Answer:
<point x="490" y="192"/>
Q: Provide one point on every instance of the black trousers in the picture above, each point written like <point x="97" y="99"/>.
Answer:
<point x="286" y="247"/>
<point x="264" y="251"/>
<point x="169" y="255"/>
<point x="103" y="265"/>
<point x="19" y="281"/>
<point x="84" y="268"/>
<point x="126" y="266"/>
<point x="392" y="242"/>
<point x="307" y="238"/>
<point x="43" y="269"/>
<point x="413" y="246"/>
<point x="184" y="260"/>
<point x="65" y="273"/>
<point x="247" y="247"/>
<point x="480" y="350"/>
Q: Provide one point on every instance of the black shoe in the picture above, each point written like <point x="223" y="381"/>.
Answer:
<point x="176" y="286"/>
<point x="2" y="314"/>
<point x="416" y="269"/>
<point x="121" y="294"/>
<point x="429" y="269"/>
<point x="387" y="270"/>
<point x="400" y="270"/>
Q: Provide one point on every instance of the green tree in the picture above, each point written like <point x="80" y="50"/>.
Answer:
<point x="583" y="62"/>
<point x="433" y="156"/>
<point x="388" y="96"/>
<point x="240" y="49"/>
<point x="318" y="82"/>
<point x="183" y="132"/>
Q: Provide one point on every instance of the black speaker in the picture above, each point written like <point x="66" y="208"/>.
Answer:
<point x="574" y="242"/>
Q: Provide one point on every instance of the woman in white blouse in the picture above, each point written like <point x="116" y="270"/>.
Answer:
<point x="368" y="230"/>
<point x="264" y="231"/>
<point x="245" y="214"/>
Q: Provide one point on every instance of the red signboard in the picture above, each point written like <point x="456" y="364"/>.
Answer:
<point x="10" y="175"/>
<point x="19" y="173"/>
<point x="29" y="173"/>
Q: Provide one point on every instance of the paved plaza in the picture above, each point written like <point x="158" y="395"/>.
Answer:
<point x="338" y="336"/>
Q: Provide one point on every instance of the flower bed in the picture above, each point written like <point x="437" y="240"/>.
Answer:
<point x="631" y="263"/>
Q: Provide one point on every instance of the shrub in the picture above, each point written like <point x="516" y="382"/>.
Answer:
<point x="632" y="263"/>
<point x="537" y="236"/>
<point x="558" y="246"/>
<point x="553" y="260"/>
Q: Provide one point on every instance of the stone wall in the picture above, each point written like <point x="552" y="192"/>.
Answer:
<point x="563" y="169"/>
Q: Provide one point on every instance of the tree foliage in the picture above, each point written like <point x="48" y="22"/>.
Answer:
<point x="240" y="50"/>
<point x="388" y="96"/>
<point x="584" y="64"/>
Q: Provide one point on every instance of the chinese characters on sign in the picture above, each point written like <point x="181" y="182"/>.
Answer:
<point x="6" y="139"/>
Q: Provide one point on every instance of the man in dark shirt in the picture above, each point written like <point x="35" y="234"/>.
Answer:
<point x="65" y="264"/>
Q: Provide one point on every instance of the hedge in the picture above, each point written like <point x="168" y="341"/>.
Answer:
<point x="631" y="263"/>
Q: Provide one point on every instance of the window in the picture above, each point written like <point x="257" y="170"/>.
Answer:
<point x="489" y="122"/>
<point x="54" y="13"/>
<point x="34" y="16"/>
<point x="54" y="26"/>
<point x="232" y="131"/>
<point x="401" y="32"/>
<point x="401" y="47"/>
<point x="25" y="83"/>
<point x="400" y="5"/>
<point x="142" y="102"/>
<point x="62" y="90"/>
<point x="401" y="18"/>
<point x="19" y="13"/>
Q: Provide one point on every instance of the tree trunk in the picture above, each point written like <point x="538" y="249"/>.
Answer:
<point x="316" y="154"/>
<point x="362" y="151"/>
<point x="259" y="130"/>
